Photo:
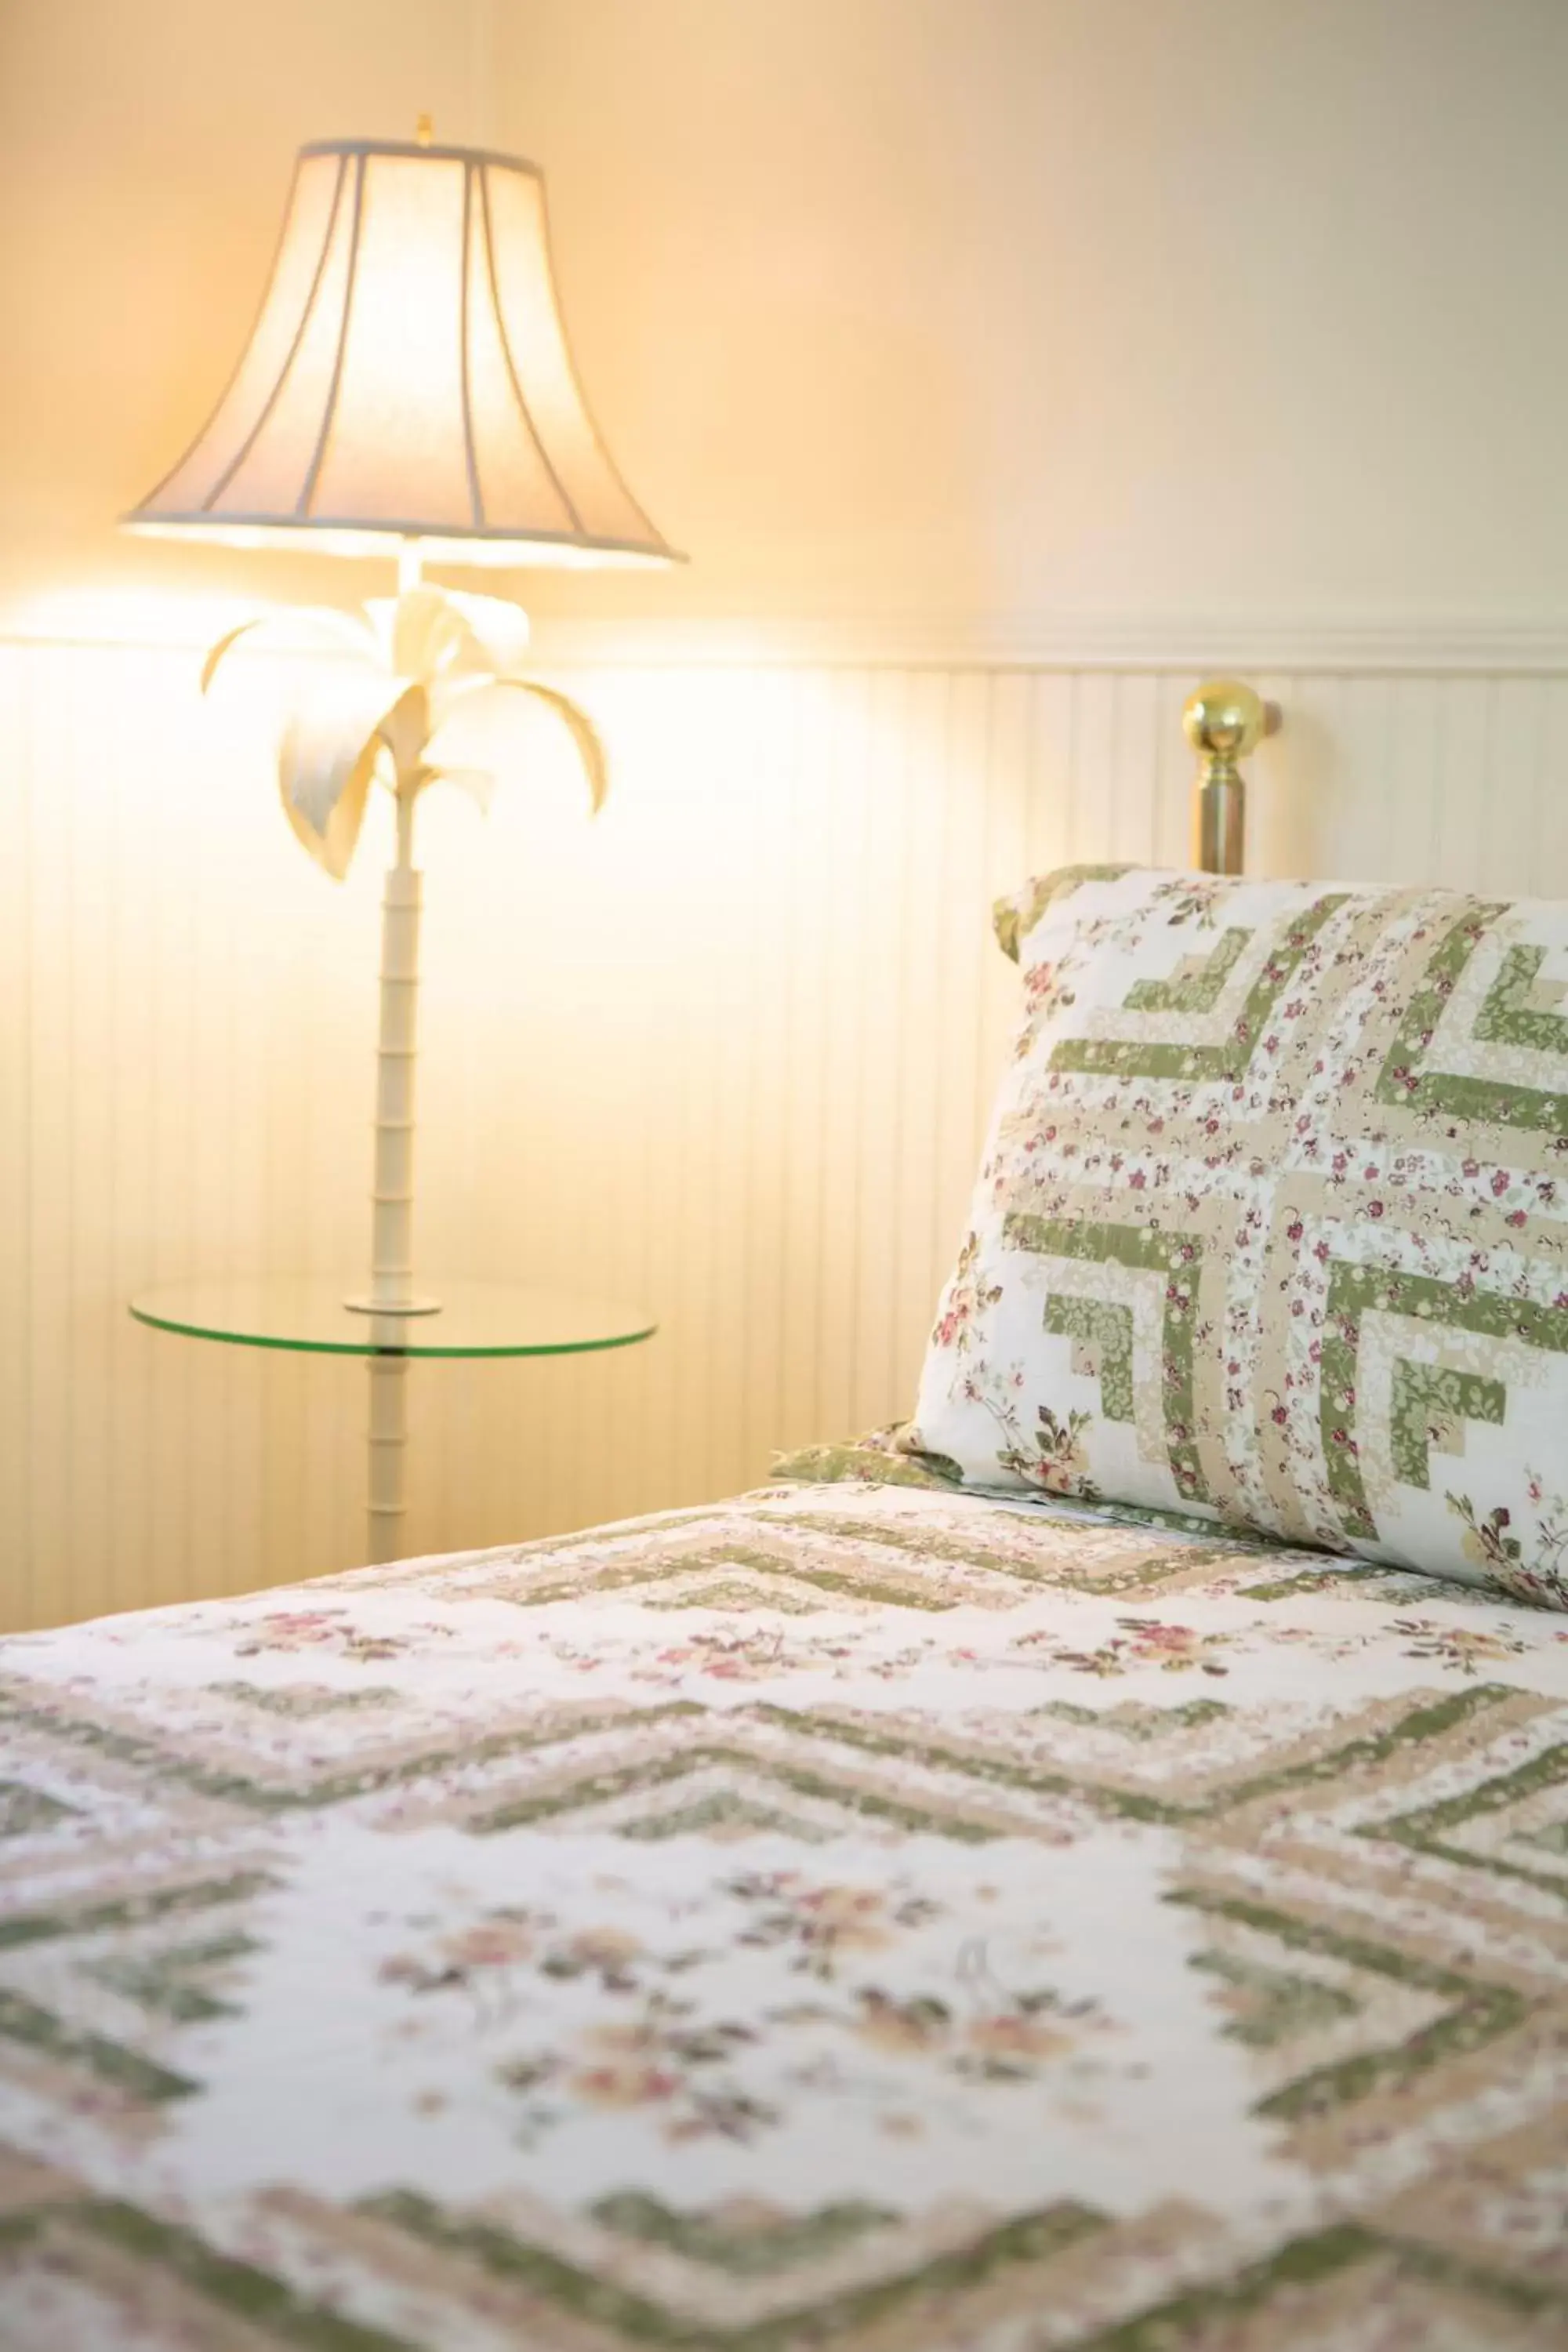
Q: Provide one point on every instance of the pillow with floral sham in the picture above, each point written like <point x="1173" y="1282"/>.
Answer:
<point x="1272" y="1223"/>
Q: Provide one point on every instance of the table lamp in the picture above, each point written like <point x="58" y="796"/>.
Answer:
<point x="407" y="389"/>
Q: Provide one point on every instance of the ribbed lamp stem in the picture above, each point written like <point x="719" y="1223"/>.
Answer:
<point x="392" y="1224"/>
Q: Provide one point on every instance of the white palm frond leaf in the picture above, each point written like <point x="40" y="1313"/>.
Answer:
<point x="389" y="683"/>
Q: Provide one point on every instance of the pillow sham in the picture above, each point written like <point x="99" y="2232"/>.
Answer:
<point x="1273" y="1223"/>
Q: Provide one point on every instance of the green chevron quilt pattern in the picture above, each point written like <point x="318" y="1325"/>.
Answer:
<point x="1272" y="1224"/>
<point x="851" y="1918"/>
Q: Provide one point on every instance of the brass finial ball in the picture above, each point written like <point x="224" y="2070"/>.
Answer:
<point x="1225" y="720"/>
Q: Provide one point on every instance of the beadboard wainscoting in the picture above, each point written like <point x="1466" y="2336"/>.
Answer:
<point x="727" y="1050"/>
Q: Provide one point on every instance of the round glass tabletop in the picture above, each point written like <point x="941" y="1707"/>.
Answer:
<point x="312" y="1312"/>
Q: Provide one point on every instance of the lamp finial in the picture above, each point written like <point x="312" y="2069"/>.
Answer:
<point x="423" y="131"/>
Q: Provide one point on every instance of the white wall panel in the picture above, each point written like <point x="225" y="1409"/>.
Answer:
<point x="729" y="1050"/>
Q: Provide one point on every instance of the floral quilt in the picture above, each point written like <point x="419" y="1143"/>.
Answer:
<point x="856" y="1916"/>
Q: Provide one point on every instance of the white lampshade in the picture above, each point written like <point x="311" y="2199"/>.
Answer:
<point x="408" y="376"/>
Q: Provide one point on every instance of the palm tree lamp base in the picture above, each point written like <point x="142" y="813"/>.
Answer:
<point x="420" y="657"/>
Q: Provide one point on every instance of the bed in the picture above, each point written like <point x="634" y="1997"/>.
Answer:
<point x="921" y="1906"/>
<point x="859" y="1915"/>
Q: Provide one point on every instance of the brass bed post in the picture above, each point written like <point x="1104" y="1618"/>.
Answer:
<point x="1223" y="721"/>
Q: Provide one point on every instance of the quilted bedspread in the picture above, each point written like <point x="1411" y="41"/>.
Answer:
<point x="851" y="1916"/>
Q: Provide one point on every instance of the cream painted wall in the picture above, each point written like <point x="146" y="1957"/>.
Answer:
<point x="1022" y="308"/>
<point x="907" y="320"/>
<point x="964" y="310"/>
<point x="145" y="147"/>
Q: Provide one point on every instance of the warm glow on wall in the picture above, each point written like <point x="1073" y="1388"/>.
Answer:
<point x="132" y="616"/>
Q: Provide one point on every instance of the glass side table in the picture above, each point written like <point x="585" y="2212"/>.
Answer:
<point x="311" y="1313"/>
